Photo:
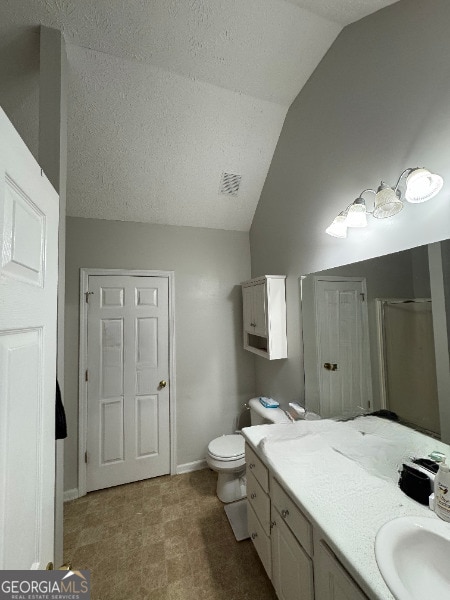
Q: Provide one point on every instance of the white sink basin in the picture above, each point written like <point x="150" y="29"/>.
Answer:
<point x="413" y="555"/>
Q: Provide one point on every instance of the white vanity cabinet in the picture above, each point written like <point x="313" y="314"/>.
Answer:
<point x="258" y="507"/>
<point x="291" y="543"/>
<point x="264" y="316"/>
<point x="298" y="561"/>
<point x="332" y="582"/>
<point x="292" y="568"/>
<point x="271" y="513"/>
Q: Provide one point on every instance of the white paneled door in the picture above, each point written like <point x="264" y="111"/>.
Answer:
<point x="128" y="435"/>
<point x="29" y="209"/>
<point x="343" y="346"/>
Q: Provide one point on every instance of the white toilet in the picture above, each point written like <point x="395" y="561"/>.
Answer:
<point x="226" y="454"/>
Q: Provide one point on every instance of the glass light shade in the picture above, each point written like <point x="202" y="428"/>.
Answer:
<point x="387" y="203"/>
<point x="338" y="227"/>
<point x="357" y="216"/>
<point x="421" y="185"/>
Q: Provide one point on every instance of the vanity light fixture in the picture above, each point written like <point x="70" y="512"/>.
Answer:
<point x="418" y="185"/>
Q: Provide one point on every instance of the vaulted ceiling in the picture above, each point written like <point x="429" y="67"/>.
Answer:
<point x="166" y="95"/>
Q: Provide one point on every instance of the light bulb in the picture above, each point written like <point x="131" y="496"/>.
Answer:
<point x="421" y="185"/>
<point x="338" y="227"/>
<point x="357" y="215"/>
<point x="387" y="203"/>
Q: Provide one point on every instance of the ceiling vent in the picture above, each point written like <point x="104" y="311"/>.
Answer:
<point x="229" y="184"/>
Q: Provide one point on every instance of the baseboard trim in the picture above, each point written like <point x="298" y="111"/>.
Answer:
<point x="71" y="494"/>
<point x="196" y="465"/>
<point x="192" y="466"/>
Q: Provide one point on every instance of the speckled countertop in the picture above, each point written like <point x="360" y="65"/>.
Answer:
<point x="343" y="476"/>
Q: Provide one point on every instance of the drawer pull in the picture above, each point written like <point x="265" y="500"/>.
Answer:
<point x="251" y="466"/>
<point x="254" y="535"/>
<point x="284" y="513"/>
<point x="252" y="496"/>
<point x="272" y="524"/>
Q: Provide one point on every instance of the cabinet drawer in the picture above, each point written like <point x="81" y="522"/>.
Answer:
<point x="292" y="516"/>
<point x="257" y="468"/>
<point x="259" y="501"/>
<point x="260" y="540"/>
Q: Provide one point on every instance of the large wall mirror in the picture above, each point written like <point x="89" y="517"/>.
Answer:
<point x="376" y="335"/>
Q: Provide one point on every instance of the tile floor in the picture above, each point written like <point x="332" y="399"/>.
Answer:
<point x="166" y="538"/>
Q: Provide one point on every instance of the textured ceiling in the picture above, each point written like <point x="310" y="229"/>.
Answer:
<point x="165" y="95"/>
<point x="158" y="152"/>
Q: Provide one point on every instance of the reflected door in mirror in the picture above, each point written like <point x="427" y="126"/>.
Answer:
<point x="342" y="345"/>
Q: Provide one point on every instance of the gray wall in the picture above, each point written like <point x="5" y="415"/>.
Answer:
<point x="19" y="80"/>
<point x="378" y="102"/>
<point x="215" y="376"/>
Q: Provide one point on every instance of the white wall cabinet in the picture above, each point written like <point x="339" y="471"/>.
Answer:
<point x="295" y="557"/>
<point x="264" y="316"/>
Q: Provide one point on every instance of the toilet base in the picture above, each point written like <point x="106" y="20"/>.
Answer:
<point x="231" y="486"/>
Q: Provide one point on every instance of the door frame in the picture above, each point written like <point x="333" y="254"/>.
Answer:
<point x="82" y="385"/>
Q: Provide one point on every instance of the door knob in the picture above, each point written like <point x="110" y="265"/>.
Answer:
<point x="162" y="384"/>
<point x="330" y="366"/>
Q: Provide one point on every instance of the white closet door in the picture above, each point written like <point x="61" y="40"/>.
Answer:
<point x="29" y="209"/>
<point x="128" y="389"/>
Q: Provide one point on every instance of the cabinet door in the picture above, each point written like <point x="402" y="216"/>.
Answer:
<point x="292" y="569"/>
<point x="260" y="540"/>
<point x="260" y="309"/>
<point x="247" y="301"/>
<point x="259" y="501"/>
<point x="332" y="582"/>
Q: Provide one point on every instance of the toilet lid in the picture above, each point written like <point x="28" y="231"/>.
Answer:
<point x="227" y="446"/>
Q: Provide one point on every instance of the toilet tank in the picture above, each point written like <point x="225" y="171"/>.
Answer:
<point x="260" y="415"/>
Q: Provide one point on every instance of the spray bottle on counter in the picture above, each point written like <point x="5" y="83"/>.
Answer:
<point x="442" y="492"/>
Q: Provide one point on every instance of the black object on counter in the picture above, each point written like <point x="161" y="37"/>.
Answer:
<point x="428" y="464"/>
<point x="415" y="484"/>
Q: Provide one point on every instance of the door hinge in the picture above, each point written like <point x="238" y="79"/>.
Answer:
<point x="85" y="457"/>
<point x="363" y="296"/>
<point x="86" y="375"/>
<point x="87" y="294"/>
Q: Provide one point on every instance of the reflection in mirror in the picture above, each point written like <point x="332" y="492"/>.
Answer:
<point x="371" y="331"/>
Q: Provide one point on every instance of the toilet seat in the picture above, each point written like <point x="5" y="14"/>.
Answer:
<point x="227" y="448"/>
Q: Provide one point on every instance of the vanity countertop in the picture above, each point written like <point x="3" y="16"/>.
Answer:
<point x="343" y="476"/>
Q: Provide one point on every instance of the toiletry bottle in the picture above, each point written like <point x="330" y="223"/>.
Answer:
<point x="442" y="492"/>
